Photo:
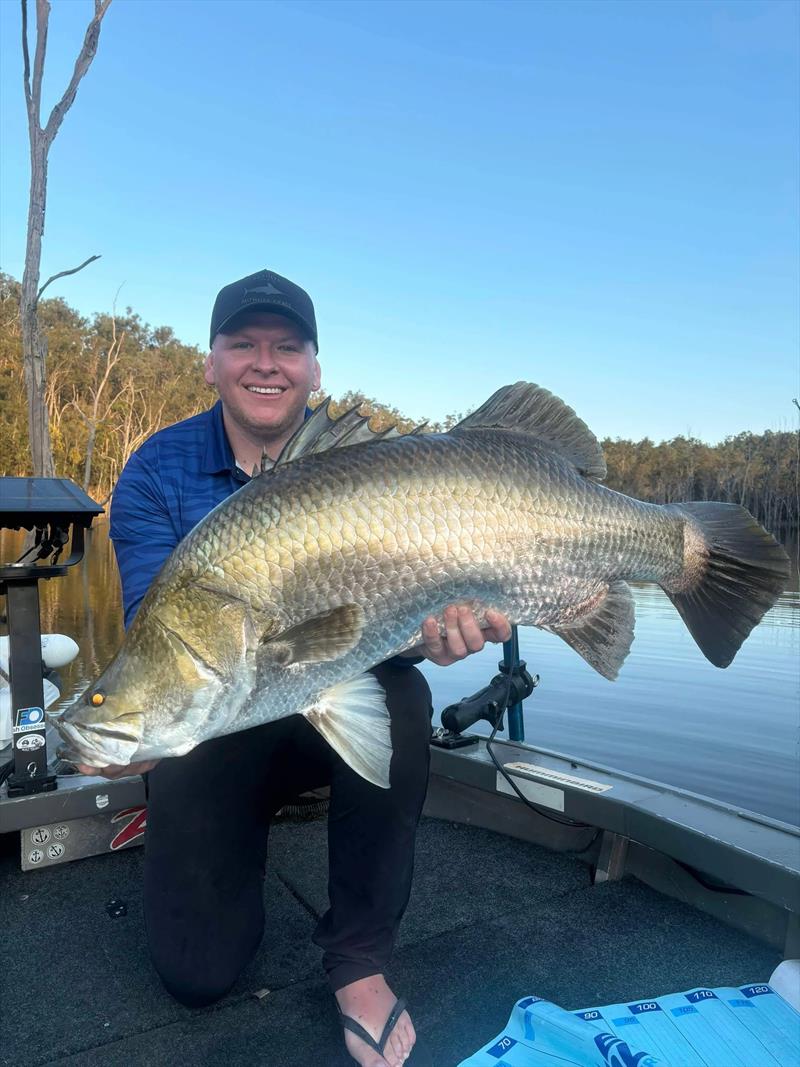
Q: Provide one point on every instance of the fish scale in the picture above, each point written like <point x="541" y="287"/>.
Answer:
<point x="284" y="595"/>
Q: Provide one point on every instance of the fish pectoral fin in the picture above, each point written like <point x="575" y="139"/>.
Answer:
<point x="316" y="640"/>
<point x="354" y="720"/>
<point x="530" y="409"/>
<point x="604" y="634"/>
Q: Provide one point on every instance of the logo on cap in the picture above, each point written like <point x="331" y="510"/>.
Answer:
<point x="267" y="290"/>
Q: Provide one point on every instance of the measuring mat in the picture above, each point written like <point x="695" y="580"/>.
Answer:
<point x="748" y="1026"/>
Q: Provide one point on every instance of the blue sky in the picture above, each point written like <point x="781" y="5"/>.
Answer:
<point x="598" y="197"/>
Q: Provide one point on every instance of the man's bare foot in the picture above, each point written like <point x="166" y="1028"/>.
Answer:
<point x="369" y="1001"/>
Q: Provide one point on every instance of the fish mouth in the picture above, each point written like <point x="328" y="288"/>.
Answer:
<point x="96" y="744"/>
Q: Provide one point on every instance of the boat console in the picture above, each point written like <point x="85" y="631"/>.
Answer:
<point x="57" y="513"/>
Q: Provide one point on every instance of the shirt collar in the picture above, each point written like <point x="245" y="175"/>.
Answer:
<point x="218" y="455"/>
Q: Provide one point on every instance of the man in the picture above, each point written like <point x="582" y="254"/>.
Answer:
<point x="209" y="811"/>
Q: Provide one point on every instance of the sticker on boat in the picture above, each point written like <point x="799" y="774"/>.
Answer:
<point x="28" y="719"/>
<point x="537" y="792"/>
<point x="587" y="784"/>
<point x="29" y="742"/>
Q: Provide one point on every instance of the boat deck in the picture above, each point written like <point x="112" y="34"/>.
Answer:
<point x="491" y="919"/>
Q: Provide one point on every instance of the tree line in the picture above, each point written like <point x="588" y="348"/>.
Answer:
<point x="112" y="380"/>
<point x="759" y="471"/>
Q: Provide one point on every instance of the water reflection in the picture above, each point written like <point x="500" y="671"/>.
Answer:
<point x="85" y="604"/>
<point x="671" y="715"/>
<point x="732" y="734"/>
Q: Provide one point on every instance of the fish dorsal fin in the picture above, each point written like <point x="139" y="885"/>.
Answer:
<point x="317" y="640"/>
<point x="530" y="409"/>
<point x="603" y="632"/>
<point x="321" y="432"/>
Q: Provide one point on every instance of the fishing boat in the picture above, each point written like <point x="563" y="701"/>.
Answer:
<point x="537" y="875"/>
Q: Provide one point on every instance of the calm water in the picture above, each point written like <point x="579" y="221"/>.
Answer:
<point x="732" y="734"/>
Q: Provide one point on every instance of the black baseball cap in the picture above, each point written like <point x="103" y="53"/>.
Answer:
<point x="264" y="291"/>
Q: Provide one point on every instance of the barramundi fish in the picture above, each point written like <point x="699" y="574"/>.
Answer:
<point x="282" y="598"/>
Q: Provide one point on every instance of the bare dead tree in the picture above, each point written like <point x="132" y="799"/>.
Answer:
<point x="133" y="421"/>
<point x="34" y="341"/>
<point x="96" y="407"/>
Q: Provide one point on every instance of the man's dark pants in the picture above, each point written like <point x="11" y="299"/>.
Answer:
<point x="208" y="820"/>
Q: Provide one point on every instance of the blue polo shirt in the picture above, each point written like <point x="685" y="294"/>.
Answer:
<point x="167" y="486"/>
<point x="172" y="482"/>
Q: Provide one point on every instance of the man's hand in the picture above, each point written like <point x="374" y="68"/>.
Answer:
<point x="113" y="771"/>
<point x="462" y="636"/>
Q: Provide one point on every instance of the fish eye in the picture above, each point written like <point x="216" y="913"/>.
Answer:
<point x="96" y="699"/>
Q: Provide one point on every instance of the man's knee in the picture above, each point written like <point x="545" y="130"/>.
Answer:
<point x="192" y="988"/>
<point x="408" y="695"/>
<point x="198" y="961"/>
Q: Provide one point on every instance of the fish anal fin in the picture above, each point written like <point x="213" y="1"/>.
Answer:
<point x="530" y="409"/>
<point x="318" y="639"/>
<point x="353" y="719"/>
<point x="603" y="634"/>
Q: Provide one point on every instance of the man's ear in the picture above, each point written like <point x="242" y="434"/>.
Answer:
<point x="317" y="376"/>
<point x="208" y="369"/>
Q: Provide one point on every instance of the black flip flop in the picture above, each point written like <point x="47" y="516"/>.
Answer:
<point x="357" y="1029"/>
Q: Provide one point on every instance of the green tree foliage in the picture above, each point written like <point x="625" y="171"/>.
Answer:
<point x="759" y="471"/>
<point x="113" y="380"/>
<point x="381" y="416"/>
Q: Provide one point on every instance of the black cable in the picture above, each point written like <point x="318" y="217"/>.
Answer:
<point x="6" y="770"/>
<point x="38" y="537"/>
<point x="520" y="794"/>
<point x="728" y="890"/>
<point x="535" y="807"/>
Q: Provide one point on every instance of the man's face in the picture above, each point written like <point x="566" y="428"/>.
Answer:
<point x="264" y="370"/>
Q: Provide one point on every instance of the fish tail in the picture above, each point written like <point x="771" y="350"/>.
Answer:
<point x="734" y="571"/>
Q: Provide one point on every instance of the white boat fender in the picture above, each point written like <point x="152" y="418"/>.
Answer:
<point x="51" y="695"/>
<point x="57" y="651"/>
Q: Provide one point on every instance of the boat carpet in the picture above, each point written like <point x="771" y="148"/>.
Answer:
<point x="491" y="918"/>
